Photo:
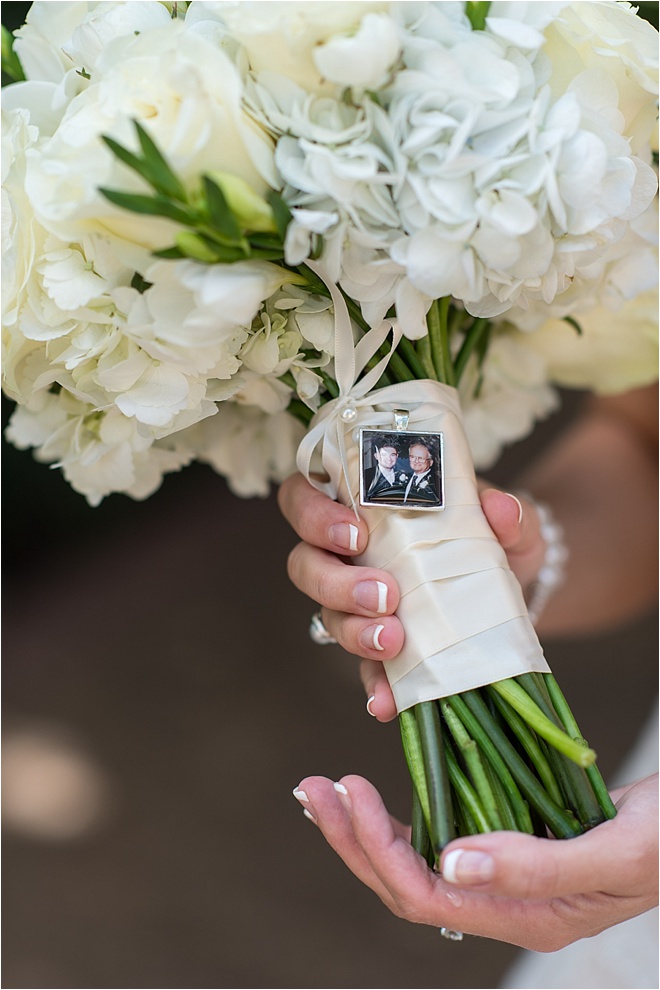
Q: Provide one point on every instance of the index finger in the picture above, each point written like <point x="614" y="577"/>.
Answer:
<point x="320" y="521"/>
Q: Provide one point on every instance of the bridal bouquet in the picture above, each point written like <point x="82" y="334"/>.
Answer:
<point x="326" y="229"/>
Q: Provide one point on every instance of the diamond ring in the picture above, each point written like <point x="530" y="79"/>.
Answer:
<point x="317" y="631"/>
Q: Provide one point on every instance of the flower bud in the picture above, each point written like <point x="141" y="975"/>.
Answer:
<point x="250" y="210"/>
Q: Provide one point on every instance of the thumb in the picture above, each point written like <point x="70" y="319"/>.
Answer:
<point x="524" y="866"/>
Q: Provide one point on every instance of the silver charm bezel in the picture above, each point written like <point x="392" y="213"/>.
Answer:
<point x="400" y="439"/>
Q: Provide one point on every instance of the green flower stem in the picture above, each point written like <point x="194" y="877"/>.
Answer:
<point x="436" y="320"/>
<point x="329" y="383"/>
<point x="530" y="744"/>
<point x="400" y="369"/>
<point x="465" y="792"/>
<point x="470" y="342"/>
<point x="407" y="350"/>
<point x="477" y="11"/>
<point x="506" y="811"/>
<point x="502" y="772"/>
<point x="465" y="823"/>
<point x="424" y="352"/>
<point x="518" y="698"/>
<point x="470" y="753"/>
<point x="572" y="779"/>
<point x="419" y="838"/>
<point x="561" y="822"/>
<point x="441" y="830"/>
<point x="593" y="773"/>
<point x="412" y="750"/>
<point x="300" y="411"/>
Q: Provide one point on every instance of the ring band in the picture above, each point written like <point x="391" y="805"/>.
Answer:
<point x="317" y="631"/>
<point x="451" y="934"/>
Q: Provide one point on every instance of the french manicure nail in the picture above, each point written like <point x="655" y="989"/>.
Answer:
<point x="344" y="535"/>
<point x="343" y="795"/>
<point x="369" y="701"/>
<point x="309" y="815"/>
<point x="370" y="638"/>
<point x="371" y="595"/>
<point x="467" y="866"/>
<point x="300" y="795"/>
<point x="519" y="504"/>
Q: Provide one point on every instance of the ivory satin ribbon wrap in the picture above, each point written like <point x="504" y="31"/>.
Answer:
<point x="462" y="608"/>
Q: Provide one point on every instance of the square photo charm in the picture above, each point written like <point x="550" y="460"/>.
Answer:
<point x="401" y="469"/>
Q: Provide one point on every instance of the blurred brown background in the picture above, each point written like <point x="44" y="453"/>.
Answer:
<point x="162" y="698"/>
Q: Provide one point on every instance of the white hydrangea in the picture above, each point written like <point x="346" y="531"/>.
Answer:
<point x="503" y="399"/>
<point x="249" y="447"/>
<point x="482" y="172"/>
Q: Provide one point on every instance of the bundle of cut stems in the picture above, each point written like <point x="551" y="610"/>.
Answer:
<point x="509" y="755"/>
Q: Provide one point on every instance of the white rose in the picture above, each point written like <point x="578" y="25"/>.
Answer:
<point x="57" y="38"/>
<point x="186" y="93"/>
<point x="609" y="36"/>
<point x="22" y="236"/>
<point x="615" y="352"/>
<point x="284" y="37"/>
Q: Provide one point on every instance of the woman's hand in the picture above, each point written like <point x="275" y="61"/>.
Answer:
<point x="359" y="602"/>
<point x="541" y="894"/>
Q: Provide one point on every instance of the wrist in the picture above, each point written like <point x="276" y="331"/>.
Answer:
<point x="551" y="574"/>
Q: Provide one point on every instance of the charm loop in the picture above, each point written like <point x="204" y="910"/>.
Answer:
<point x="401" y="418"/>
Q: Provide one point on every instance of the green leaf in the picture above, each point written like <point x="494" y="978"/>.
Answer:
<point x="281" y="212"/>
<point x="169" y="253"/>
<point x="221" y="217"/>
<point x="149" y="205"/>
<point x="201" y="248"/>
<point x="11" y="66"/>
<point x="163" y="178"/>
<point x="574" y="323"/>
<point x="152" y="168"/>
<point x="140" y="283"/>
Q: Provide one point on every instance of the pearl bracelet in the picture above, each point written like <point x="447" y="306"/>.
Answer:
<point x="552" y="572"/>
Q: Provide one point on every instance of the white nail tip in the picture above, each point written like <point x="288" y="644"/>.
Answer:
<point x="519" y="504"/>
<point x="299" y="794"/>
<point x="376" y="640"/>
<point x="449" y="865"/>
<point x="309" y="815"/>
<point x="340" y="788"/>
<point x="382" y="596"/>
<point x="369" y="701"/>
<point x="353" y="537"/>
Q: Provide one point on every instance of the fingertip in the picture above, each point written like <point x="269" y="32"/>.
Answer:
<point x="504" y="513"/>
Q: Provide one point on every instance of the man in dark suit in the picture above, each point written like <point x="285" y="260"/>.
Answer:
<point x="420" y="488"/>
<point x="385" y="482"/>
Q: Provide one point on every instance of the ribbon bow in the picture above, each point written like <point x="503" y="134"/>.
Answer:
<point x="356" y="404"/>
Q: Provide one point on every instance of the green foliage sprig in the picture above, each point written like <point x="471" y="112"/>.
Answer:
<point x="224" y="220"/>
